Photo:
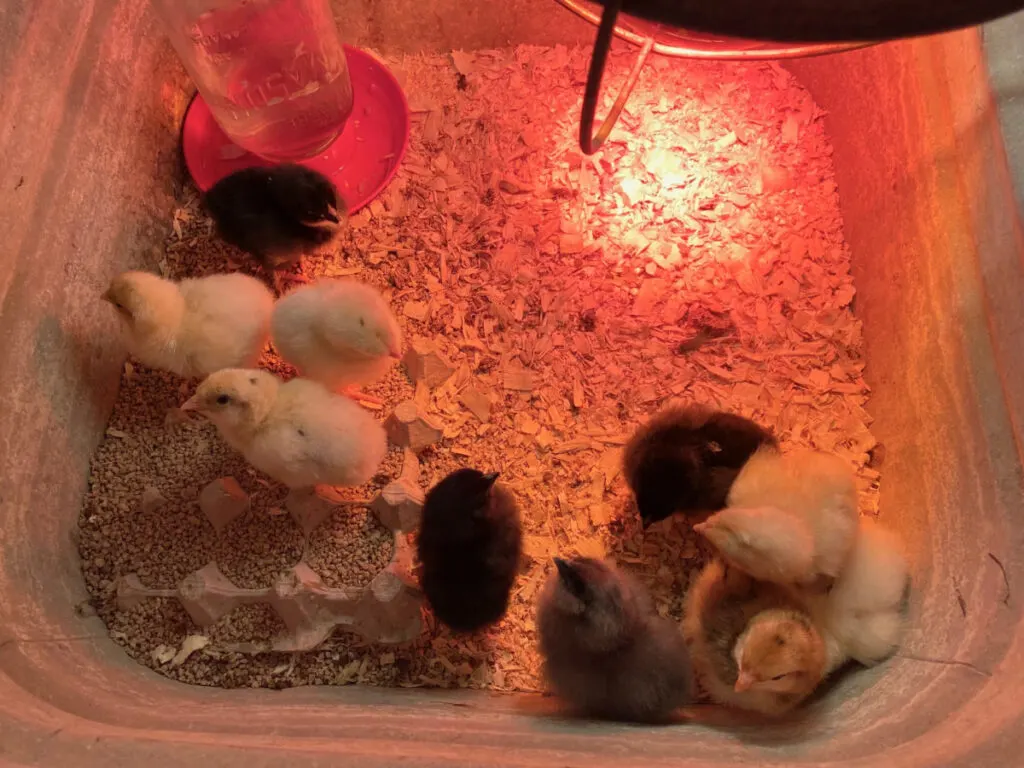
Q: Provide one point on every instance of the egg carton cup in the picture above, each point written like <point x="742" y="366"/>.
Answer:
<point x="424" y="362"/>
<point x="387" y="611"/>
<point x="410" y="428"/>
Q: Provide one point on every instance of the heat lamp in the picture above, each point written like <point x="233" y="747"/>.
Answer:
<point x="746" y="30"/>
<point x="276" y="84"/>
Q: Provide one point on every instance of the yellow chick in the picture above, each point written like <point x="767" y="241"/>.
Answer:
<point x="765" y="542"/>
<point x="816" y="489"/>
<point x="862" y="616"/>
<point x="194" y="327"/>
<point x="752" y="646"/>
<point x="338" y="332"/>
<point x="297" y="432"/>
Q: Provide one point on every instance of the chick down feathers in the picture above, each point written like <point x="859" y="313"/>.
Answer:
<point x="864" y="613"/>
<point x="341" y="333"/>
<point x="818" y="489"/>
<point x="469" y="545"/>
<point x="605" y="650"/>
<point x="685" y="459"/>
<point x="297" y="432"/>
<point x="195" y="327"/>
<point x="718" y="610"/>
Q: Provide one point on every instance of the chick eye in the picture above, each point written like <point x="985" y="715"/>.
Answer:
<point x="223" y="399"/>
<point x="362" y="322"/>
<point x="781" y="677"/>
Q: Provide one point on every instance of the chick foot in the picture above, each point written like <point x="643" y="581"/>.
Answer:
<point x="275" y="278"/>
<point x="820" y="584"/>
<point x="282" y="282"/>
<point x="361" y="397"/>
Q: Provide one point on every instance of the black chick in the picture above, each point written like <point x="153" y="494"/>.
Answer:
<point x="606" y="652"/>
<point x="686" y="458"/>
<point x="469" y="546"/>
<point x="276" y="214"/>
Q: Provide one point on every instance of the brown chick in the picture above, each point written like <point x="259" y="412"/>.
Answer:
<point x="753" y="647"/>
<point x="780" y="653"/>
<point x="863" y="616"/>
<point x="685" y="459"/>
<point x="341" y="333"/>
<point x="605" y="650"/>
<point x="296" y="431"/>
<point x="194" y="327"/>
<point x="815" y="488"/>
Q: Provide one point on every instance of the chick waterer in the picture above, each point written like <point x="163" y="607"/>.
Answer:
<point x="276" y="84"/>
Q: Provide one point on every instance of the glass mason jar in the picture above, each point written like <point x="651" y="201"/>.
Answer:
<point x="273" y="72"/>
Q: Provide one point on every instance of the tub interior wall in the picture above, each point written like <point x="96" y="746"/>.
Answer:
<point x="90" y="101"/>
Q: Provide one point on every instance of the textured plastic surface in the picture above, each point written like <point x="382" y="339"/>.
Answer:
<point x="360" y="162"/>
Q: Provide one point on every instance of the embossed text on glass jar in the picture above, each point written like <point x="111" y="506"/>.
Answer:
<point x="273" y="72"/>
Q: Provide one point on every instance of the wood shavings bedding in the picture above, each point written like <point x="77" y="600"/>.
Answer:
<point x="699" y="255"/>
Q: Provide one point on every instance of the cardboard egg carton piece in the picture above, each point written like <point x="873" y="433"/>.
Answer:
<point x="399" y="505"/>
<point x="387" y="611"/>
<point x="408" y="427"/>
<point x="222" y="501"/>
<point x="424" y="362"/>
<point x="309" y="508"/>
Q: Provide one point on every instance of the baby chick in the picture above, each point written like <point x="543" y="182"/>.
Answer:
<point x="605" y="650"/>
<point x="816" y="490"/>
<point x="338" y="332"/>
<point x="297" y="432"/>
<point x="781" y="653"/>
<point x="753" y="647"/>
<point x="862" y="616"/>
<point x="276" y="214"/>
<point x="685" y="459"/>
<point x="469" y="546"/>
<point x="194" y="327"/>
<point x="765" y="542"/>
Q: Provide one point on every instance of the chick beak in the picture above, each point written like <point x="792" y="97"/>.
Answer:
<point x="700" y="528"/>
<point x="327" y="221"/>
<point x="744" y="682"/>
<point x="332" y="215"/>
<point x="564" y="569"/>
<point x="191" y="405"/>
<point x="490" y="478"/>
<point x="395" y="351"/>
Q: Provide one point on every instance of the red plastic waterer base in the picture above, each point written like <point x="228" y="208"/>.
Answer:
<point x="360" y="162"/>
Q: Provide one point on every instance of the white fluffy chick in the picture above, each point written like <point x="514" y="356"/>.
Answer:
<point x="297" y="432"/>
<point x="817" y="489"/>
<point x="194" y="327"/>
<point x="341" y="333"/>
<point x="862" y="616"/>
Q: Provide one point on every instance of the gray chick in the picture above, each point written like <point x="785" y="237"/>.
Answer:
<point x="605" y="650"/>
